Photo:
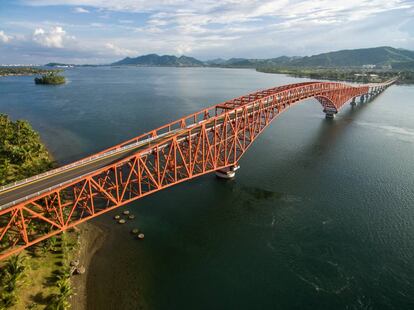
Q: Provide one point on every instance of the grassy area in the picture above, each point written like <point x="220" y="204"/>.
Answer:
<point x="39" y="277"/>
<point x="46" y="274"/>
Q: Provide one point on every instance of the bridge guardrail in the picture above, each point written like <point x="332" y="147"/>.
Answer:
<point x="128" y="144"/>
<point x="75" y="164"/>
<point x="117" y="148"/>
<point x="124" y="146"/>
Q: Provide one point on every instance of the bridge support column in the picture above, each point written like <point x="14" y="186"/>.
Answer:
<point x="330" y="112"/>
<point x="353" y="102"/>
<point x="228" y="172"/>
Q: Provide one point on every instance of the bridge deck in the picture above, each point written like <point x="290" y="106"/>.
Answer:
<point x="27" y="189"/>
<point x="16" y="193"/>
<point x="37" y="208"/>
<point x="56" y="179"/>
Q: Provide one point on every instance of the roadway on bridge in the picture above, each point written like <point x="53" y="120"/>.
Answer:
<point x="63" y="176"/>
<point x="58" y="178"/>
<point x="27" y="189"/>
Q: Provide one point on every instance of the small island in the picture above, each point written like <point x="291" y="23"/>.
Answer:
<point x="50" y="78"/>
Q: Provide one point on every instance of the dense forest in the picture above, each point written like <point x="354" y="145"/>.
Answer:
<point x="50" y="78"/>
<point x="43" y="269"/>
<point x="22" y="153"/>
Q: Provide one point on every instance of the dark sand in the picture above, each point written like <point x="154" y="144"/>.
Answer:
<point x="91" y="238"/>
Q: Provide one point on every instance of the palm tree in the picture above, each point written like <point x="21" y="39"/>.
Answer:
<point x="52" y="244"/>
<point x="60" y="300"/>
<point x="10" y="278"/>
<point x="15" y="265"/>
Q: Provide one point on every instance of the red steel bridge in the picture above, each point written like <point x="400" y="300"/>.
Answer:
<point x="211" y="140"/>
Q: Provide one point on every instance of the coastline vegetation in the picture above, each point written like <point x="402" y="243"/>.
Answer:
<point x="50" y="78"/>
<point x="12" y="71"/>
<point x="40" y="276"/>
<point x="343" y="74"/>
<point x="22" y="154"/>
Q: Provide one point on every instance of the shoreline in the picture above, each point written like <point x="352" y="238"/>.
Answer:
<point x="18" y="74"/>
<point x="91" y="240"/>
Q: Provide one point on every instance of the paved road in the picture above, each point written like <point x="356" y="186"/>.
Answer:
<point x="59" y="177"/>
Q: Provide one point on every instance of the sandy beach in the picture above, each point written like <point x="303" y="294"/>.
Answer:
<point x="91" y="239"/>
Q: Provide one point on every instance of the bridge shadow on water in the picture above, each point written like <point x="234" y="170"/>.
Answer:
<point x="328" y="134"/>
<point x="322" y="142"/>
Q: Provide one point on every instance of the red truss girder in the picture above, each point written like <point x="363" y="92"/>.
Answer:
<point x="209" y="140"/>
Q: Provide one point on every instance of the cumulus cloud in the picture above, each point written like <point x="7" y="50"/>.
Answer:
<point x="54" y="37"/>
<point x="119" y="51"/>
<point x="4" y="37"/>
<point x="80" y="10"/>
<point x="226" y="28"/>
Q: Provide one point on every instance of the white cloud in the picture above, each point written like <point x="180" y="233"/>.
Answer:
<point x="54" y="37"/>
<point x="119" y="51"/>
<point x="4" y="38"/>
<point x="80" y="10"/>
<point x="226" y="28"/>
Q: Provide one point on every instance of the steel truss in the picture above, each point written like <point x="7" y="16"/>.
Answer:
<point x="206" y="141"/>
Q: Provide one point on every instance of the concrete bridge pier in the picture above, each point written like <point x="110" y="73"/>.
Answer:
<point x="353" y="102"/>
<point x="330" y="112"/>
<point x="227" y="172"/>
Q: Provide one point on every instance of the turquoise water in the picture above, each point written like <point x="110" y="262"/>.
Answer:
<point x="320" y="215"/>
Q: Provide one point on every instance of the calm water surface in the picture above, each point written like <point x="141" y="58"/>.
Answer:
<point x="320" y="215"/>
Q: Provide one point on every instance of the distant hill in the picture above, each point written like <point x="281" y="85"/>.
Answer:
<point x="57" y="64"/>
<point x="378" y="56"/>
<point x="156" y="60"/>
<point x="383" y="56"/>
<point x="215" y="62"/>
<point x="406" y="65"/>
<point x="252" y="63"/>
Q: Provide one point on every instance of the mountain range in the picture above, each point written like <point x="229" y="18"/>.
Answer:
<point x="382" y="57"/>
<point x="156" y="60"/>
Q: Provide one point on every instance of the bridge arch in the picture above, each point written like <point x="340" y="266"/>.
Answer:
<point x="329" y="106"/>
<point x="213" y="139"/>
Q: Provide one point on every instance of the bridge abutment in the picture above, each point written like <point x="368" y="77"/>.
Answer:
<point x="228" y="172"/>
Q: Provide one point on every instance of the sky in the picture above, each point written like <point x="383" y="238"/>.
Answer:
<point x="103" y="31"/>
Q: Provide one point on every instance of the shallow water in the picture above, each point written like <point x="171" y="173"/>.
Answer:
<point x="320" y="215"/>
